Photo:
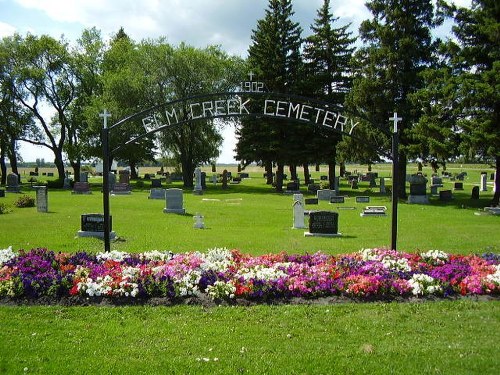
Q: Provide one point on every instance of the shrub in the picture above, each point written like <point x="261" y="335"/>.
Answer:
<point x="25" y="201"/>
<point x="3" y="208"/>
<point x="55" y="184"/>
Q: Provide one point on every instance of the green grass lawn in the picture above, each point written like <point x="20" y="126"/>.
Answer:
<point x="440" y="337"/>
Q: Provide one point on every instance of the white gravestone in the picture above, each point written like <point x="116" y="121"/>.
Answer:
<point x="298" y="211"/>
<point x="42" y="204"/>
<point x="382" y="185"/>
<point x="174" y="201"/>
<point x="484" y="182"/>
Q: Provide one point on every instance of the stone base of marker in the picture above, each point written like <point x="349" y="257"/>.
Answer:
<point x="121" y="188"/>
<point x="418" y="199"/>
<point x="82" y="233"/>
<point x="198" y="191"/>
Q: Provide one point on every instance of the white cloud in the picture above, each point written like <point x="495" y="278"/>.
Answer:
<point x="6" y="29"/>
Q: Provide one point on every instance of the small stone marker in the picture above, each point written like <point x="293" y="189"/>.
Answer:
<point x="298" y="211"/>
<point x="418" y="190"/>
<point x="374" y="211"/>
<point x="198" y="224"/>
<point x="313" y="188"/>
<point x="156" y="194"/>
<point x="311" y="201"/>
<point x="292" y="187"/>
<point x="458" y="186"/>
<point x="323" y="224"/>
<point x="92" y="225"/>
<point x="13" y="183"/>
<point x="434" y="189"/>
<point x="492" y="210"/>
<point x="174" y="201"/>
<point x="325" y="194"/>
<point x="84" y="177"/>
<point x="362" y="199"/>
<point x="42" y="200"/>
<point x="121" y="189"/>
<point x="339" y="199"/>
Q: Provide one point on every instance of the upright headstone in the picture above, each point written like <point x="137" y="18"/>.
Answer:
<point x="418" y="189"/>
<point x="155" y="183"/>
<point x="224" y="179"/>
<point x="323" y="224"/>
<point x="458" y="186"/>
<point x="2" y="193"/>
<point x="123" y="186"/>
<point x="81" y="188"/>
<point x="112" y="181"/>
<point x="84" y="177"/>
<point x="124" y="177"/>
<point x="382" y="185"/>
<point x="198" y="190"/>
<point x="174" y="201"/>
<point x="298" y="211"/>
<point x="92" y="225"/>
<point x="484" y="181"/>
<point x="325" y="194"/>
<point x="336" y="186"/>
<point x="475" y="192"/>
<point x="42" y="199"/>
<point x="203" y="181"/>
<point x="67" y="180"/>
<point x="445" y="195"/>
<point x="157" y="194"/>
<point x="13" y="183"/>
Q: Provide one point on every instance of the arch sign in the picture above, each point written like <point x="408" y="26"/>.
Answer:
<point x="251" y="100"/>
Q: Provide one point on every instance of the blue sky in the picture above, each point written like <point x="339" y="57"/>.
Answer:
<point x="228" y="23"/>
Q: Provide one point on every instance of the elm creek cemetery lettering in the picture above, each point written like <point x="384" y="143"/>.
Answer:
<point x="237" y="106"/>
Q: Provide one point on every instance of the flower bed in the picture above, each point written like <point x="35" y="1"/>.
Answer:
<point x="220" y="274"/>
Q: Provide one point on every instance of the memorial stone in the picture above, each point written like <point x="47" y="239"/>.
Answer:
<point x="337" y="199"/>
<point x="121" y="188"/>
<point x="363" y="199"/>
<point x="484" y="182"/>
<point x="13" y="183"/>
<point x="155" y="183"/>
<point x="418" y="189"/>
<point x="458" y="186"/>
<point x="325" y="194"/>
<point x="2" y="193"/>
<point x="84" y="177"/>
<point x="92" y="225"/>
<point x="42" y="200"/>
<point x="311" y="201"/>
<point x="124" y="176"/>
<point x="445" y="195"/>
<point x="298" y="211"/>
<point x="475" y="192"/>
<point x="174" y="201"/>
<point x="292" y="186"/>
<point x="156" y="194"/>
<point x="81" y="188"/>
<point x="323" y="224"/>
<point x="382" y="185"/>
<point x="198" y="190"/>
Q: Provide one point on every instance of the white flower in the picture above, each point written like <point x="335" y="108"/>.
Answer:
<point x="6" y="255"/>
<point x="115" y="255"/>
<point x="156" y="255"/>
<point x="262" y="272"/>
<point x="435" y="256"/>
<point x="221" y="290"/>
<point x="400" y="264"/>
<point x="423" y="284"/>
<point x="217" y="259"/>
<point x="494" y="277"/>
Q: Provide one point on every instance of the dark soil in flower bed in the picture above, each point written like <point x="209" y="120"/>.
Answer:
<point x="205" y="301"/>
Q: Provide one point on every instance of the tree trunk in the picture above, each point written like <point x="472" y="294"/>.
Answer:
<point x="293" y="172"/>
<point x="187" y="173"/>
<point x="331" y="174"/>
<point x="307" y="177"/>
<point x="496" y="196"/>
<point x="13" y="159"/>
<point x="3" y="165"/>
<point x="279" y="177"/>
<point x="133" y="170"/>
<point x="58" y="161"/>
<point x="269" y="172"/>
<point x="342" y="169"/>
<point x="77" y="167"/>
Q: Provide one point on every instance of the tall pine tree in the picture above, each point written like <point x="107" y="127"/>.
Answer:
<point x="327" y="55"/>
<point x="275" y="56"/>
<point x="397" y="47"/>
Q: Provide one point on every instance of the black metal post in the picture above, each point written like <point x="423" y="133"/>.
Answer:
<point x="105" y="186"/>
<point x="395" y="188"/>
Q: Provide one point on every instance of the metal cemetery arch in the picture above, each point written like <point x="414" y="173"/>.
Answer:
<point x="287" y="107"/>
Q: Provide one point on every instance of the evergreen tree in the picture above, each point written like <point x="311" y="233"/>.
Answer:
<point x="275" y="56"/>
<point x="397" y="47"/>
<point x="327" y="55"/>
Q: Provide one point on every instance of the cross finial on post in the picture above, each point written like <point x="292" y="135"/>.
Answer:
<point x="395" y="119"/>
<point x="105" y="114"/>
<point x="251" y="74"/>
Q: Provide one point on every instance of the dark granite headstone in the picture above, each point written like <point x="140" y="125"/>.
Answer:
<point x="324" y="222"/>
<point x="445" y="195"/>
<point x="311" y="200"/>
<point x="418" y="189"/>
<point x="475" y="192"/>
<point x="155" y="183"/>
<point x="292" y="186"/>
<point x="458" y="186"/>
<point x="339" y="199"/>
<point x="94" y="223"/>
<point x="362" y="199"/>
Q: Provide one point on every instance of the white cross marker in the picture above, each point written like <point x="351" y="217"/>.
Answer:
<point x="251" y="74"/>
<point x="396" y="119"/>
<point x="105" y="114"/>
